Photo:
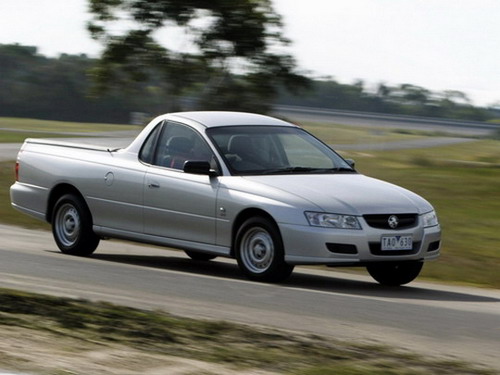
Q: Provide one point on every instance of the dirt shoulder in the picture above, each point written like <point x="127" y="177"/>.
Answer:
<point x="24" y="350"/>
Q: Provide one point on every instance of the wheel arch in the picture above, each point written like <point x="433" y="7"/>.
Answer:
<point x="57" y="192"/>
<point x="245" y="215"/>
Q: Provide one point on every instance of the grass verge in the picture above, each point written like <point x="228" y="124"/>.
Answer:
<point x="337" y="134"/>
<point x="101" y="326"/>
<point x="19" y="137"/>
<point x="51" y="126"/>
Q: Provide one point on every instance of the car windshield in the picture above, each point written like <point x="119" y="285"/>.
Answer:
<point x="260" y="150"/>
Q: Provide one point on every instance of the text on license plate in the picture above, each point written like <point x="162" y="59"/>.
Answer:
<point x="397" y="243"/>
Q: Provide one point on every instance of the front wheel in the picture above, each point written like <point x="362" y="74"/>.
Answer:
<point x="72" y="226"/>
<point x="259" y="251"/>
<point x="395" y="274"/>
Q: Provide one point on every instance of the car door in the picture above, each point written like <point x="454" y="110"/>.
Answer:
<point x="116" y="198"/>
<point x="180" y="205"/>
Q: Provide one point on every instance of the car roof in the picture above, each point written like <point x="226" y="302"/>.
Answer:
<point x="211" y="119"/>
<point x="207" y="119"/>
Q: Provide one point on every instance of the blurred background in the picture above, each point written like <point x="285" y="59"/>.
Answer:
<point x="100" y="61"/>
<point x="410" y="89"/>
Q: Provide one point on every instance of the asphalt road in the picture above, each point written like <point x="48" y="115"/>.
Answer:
<point x="8" y="151"/>
<point x="445" y="321"/>
<point x="449" y="128"/>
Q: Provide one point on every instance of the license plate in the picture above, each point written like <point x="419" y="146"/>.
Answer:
<point x="397" y="243"/>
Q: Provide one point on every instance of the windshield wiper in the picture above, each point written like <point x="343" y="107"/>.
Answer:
<point x="306" y="170"/>
<point x="289" y="170"/>
<point x="342" y="169"/>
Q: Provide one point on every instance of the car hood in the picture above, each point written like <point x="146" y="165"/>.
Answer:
<point x="353" y="194"/>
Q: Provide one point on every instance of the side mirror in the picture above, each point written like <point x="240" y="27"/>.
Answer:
<point x="199" y="167"/>
<point x="351" y="163"/>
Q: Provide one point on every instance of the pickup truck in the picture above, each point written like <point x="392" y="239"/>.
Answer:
<point x="230" y="184"/>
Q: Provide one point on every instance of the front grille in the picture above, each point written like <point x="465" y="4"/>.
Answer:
<point x="382" y="221"/>
<point x="342" y="248"/>
<point x="375" y="249"/>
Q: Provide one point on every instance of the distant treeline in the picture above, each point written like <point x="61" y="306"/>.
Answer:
<point x="36" y="86"/>
<point x="404" y="99"/>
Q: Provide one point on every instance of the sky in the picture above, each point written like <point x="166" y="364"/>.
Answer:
<point x="438" y="44"/>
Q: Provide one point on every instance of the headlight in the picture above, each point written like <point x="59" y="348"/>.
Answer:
<point x="322" y="219"/>
<point x="430" y="219"/>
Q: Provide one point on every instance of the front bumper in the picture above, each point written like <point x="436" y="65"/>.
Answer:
<point x="329" y="246"/>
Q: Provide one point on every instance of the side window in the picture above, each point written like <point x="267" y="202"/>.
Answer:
<point x="179" y="143"/>
<point x="148" y="148"/>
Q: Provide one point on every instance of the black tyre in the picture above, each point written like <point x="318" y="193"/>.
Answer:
<point x="395" y="274"/>
<point x="72" y="226"/>
<point x="195" y="255"/>
<point x="259" y="251"/>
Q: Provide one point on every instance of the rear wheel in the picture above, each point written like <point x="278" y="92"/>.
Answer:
<point x="195" y="255"/>
<point x="72" y="226"/>
<point x="395" y="274"/>
<point x="259" y="251"/>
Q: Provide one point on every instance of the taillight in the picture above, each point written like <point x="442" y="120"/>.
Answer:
<point x="17" y="171"/>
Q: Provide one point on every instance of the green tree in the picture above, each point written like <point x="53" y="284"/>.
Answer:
<point x="232" y="49"/>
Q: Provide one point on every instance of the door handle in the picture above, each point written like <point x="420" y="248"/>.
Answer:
<point x="153" y="185"/>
